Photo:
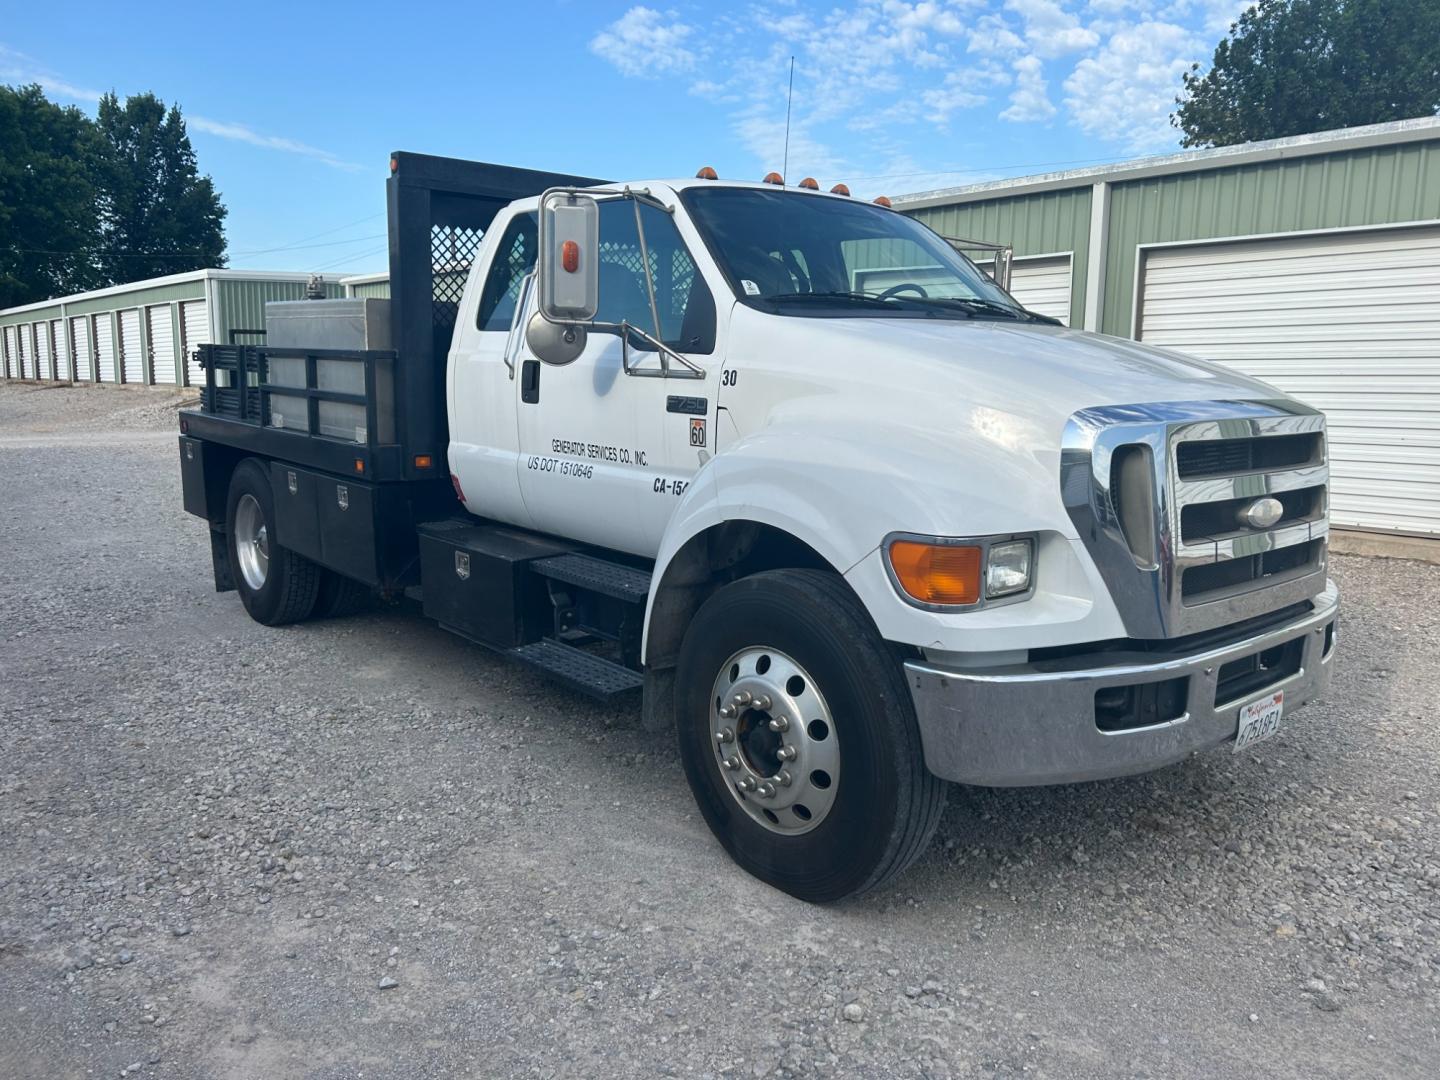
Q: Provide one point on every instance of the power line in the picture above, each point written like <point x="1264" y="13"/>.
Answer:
<point x="198" y="254"/>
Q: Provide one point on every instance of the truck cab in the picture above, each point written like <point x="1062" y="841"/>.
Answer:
<point x="856" y="522"/>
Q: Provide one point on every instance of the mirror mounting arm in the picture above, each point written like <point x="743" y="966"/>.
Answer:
<point x="688" y="368"/>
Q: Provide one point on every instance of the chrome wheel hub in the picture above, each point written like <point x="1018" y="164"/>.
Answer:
<point x="774" y="739"/>
<point x="252" y="542"/>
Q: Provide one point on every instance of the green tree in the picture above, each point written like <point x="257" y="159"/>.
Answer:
<point x="47" y="199"/>
<point x="1290" y="67"/>
<point x="158" y="215"/>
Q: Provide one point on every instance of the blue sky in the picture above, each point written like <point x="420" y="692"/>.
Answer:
<point x="293" y="108"/>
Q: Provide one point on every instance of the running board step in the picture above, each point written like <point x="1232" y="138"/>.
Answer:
<point x="590" y="674"/>
<point x="597" y="575"/>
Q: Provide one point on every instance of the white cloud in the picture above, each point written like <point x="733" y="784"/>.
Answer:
<point x="645" y="44"/>
<point x="1050" y="30"/>
<point x="1030" y="100"/>
<point x="16" y="65"/>
<point x="241" y="133"/>
<point x="1125" y="92"/>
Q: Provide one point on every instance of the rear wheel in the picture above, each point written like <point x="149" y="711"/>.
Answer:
<point x="799" y="738"/>
<point x="276" y="585"/>
<point x="340" y="596"/>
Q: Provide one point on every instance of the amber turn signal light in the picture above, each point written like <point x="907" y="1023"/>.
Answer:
<point x="947" y="574"/>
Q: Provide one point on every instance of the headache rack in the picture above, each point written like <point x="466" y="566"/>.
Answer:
<point x="376" y="413"/>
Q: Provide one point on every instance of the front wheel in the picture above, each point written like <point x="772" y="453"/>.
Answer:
<point x="799" y="739"/>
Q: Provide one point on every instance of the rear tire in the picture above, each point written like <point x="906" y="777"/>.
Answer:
<point x="801" y="641"/>
<point x="276" y="585"/>
<point x="340" y="596"/>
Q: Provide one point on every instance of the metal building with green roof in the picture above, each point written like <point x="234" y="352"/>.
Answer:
<point x="1311" y="262"/>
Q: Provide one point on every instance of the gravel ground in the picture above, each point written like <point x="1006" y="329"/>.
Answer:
<point x="362" y="848"/>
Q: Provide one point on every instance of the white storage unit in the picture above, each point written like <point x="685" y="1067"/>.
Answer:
<point x="61" y="348"/>
<point x="1042" y="284"/>
<point x="1347" y="321"/>
<point x="80" y="346"/>
<point x="131" y="368"/>
<point x="195" y="328"/>
<point x="27" y="351"/>
<point x="10" y="343"/>
<point x="162" y="343"/>
<point x="44" y="352"/>
<point x="104" y="328"/>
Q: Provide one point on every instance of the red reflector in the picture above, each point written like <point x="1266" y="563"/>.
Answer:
<point x="570" y="256"/>
<point x="459" y="491"/>
<point x="184" y="426"/>
<point x="394" y="164"/>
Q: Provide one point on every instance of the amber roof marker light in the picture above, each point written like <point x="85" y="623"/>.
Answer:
<point x="774" y="178"/>
<point x="810" y="184"/>
<point x="881" y="200"/>
<point x="706" y="173"/>
<point x="839" y="189"/>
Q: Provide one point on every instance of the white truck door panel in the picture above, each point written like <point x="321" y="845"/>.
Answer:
<point x="604" y="454"/>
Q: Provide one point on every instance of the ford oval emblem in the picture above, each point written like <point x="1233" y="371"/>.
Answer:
<point x="1263" y="513"/>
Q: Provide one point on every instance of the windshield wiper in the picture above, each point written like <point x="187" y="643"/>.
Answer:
<point x="975" y="304"/>
<point x="851" y="297"/>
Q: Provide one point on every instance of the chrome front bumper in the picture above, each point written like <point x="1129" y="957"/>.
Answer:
<point x="1035" y="724"/>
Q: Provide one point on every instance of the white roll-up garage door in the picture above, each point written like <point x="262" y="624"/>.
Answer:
<point x="1043" y="285"/>
<point x="104" y="327"/>
<point x="1348" y="322"/>
<point x="43" y="351"/>
<point x="80" y="346"/>
<point x="130" y="357"/>
<point x="61" y="348"/>
<point x="27" y="351"/>
<point x="12" y="355"/>
<point x="195" y="325"/>
<point x="162" y="343"/>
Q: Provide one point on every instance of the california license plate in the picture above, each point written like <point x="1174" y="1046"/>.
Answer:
<point x="1259" y="720"/>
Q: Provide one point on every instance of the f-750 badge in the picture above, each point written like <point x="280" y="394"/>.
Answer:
<point x="697" y="432"/>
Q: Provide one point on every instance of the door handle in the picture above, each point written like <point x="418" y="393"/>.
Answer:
<point x="530" y="382"/>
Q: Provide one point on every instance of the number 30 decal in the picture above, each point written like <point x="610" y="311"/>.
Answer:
<point x="729" y="377"/>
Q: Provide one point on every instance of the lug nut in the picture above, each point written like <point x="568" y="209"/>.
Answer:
<point x="732" y="762"/>
<point x="779" y="723"/>
<point x="763" y="703"/>
<point x="728" y="735"/>
<point x="783" y="778"/>
<point x="727" y="712"/>
<point x="747" y="783"/>
<point x="766" y="790"/>
<point x="742" y="698"/>
<point x="787" y="753"/>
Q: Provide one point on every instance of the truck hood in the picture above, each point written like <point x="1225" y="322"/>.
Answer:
<point x="1035" y="371"/>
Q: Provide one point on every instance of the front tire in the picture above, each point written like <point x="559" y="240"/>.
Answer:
<point x="799" y="738"/>
<point x="276" y="585"/>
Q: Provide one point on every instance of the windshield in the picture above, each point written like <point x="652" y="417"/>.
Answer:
<point x="800" y="254"/>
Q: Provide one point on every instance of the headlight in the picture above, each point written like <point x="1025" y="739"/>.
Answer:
<point x="944" y="573"/>
<point x="1007" y="570"/>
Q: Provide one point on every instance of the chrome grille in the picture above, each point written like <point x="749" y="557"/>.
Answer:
<point x="1198" y="563"/>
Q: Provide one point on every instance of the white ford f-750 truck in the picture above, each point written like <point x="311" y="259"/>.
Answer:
<point x="853" y="521"/>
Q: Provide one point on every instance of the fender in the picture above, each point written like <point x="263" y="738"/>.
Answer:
<point x="842" y="494"/>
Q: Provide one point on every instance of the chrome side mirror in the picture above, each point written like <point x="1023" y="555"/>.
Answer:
<point x="569" y="270"/>
<point x="553" y="342"/>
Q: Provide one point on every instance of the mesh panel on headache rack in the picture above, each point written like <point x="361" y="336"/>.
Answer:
<point x="452" y="249"/>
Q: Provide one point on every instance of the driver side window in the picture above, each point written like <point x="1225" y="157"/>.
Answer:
<point x="682" y="299"/>
<point x="514" y="259"/>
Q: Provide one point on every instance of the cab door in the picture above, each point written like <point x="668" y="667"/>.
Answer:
<point x="604" y="454"/>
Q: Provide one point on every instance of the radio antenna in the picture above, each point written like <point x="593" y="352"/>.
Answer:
<point x="789" y="97"/>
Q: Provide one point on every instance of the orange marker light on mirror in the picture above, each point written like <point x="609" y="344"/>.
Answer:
<point x="706" y="173"/>
<point x="839" y="189"/>
<point x="946" y="574"/>
<point x="774" y="178"/>
<point x="570" y="256"/>
<point x="810" y="184"/>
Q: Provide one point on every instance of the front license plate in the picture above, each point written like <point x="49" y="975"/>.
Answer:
<point x="1259" y="720"/>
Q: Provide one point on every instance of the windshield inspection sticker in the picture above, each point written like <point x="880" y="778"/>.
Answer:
<point x="751" y="289"/>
